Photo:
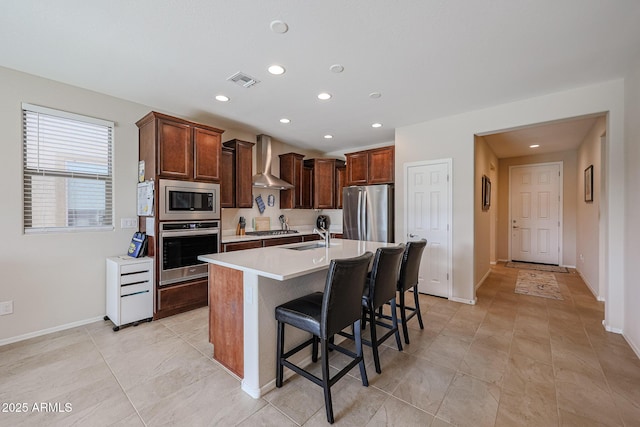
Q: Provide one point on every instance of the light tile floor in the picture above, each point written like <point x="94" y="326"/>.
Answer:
<point x="510" y="360"/>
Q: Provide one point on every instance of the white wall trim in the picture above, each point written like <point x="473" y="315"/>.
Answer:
<point x="464" y="301"/>
<point x="481" y="282"/>
<point x="50" y="330"/>
<point x="586" y="282"/>
<point x="635" y="348"/>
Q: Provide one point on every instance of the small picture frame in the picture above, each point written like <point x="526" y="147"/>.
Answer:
<point x="588" y="184"/>
<point x="486" y="193"/>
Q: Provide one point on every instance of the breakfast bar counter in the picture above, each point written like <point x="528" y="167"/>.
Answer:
<point x="246" y="286"/>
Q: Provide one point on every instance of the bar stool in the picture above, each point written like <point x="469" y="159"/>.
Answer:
<point x="380" y="290"/>
<point x="409" y="269"/>
<point x="324" y="315"/>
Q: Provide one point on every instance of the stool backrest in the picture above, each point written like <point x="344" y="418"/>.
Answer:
<point x="410" y="266"/>
<point x="342" y="300"/>
<point x="384" y="275"/>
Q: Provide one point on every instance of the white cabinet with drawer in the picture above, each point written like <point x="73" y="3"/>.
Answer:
<point x="129" y="290"/>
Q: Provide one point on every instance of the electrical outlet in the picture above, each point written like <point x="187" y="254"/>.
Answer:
<point x="6" y="307"/>
<point x="128" y="222"/>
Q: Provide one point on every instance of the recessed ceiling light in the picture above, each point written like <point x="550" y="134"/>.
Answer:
<point x="375" y="95"/>
<point x="336" y="68"/>
<point x="534" y="146"/>
<point x="324" y="96"/>
<point x="276" y="70"/>
<point x="285" y="120"/>
<point x="279" y="27"/>
<point x="376" y="125"/>
<point x="222" y="98"/>
<point x="328" y="136"/>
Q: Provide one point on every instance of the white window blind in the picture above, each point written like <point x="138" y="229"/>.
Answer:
<point x="67" y="171"/>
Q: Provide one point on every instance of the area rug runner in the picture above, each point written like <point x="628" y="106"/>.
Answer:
<point x="537" y="267"/>
<point x="539" y="284"/>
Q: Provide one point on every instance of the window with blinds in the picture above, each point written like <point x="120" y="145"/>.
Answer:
<point x="68" y="173"/>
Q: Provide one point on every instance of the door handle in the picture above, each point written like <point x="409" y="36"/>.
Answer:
<point x="413" y="235"/>
<point x="515" y="226"/>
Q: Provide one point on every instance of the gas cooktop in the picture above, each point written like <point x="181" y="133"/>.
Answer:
<point x="270" y="232"/>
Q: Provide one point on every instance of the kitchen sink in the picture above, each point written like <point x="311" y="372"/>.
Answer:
<point x="308" y="247"/>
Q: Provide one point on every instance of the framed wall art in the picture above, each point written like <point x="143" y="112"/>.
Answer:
<point x="486" y="193"/>
<point x="588" y="184"/>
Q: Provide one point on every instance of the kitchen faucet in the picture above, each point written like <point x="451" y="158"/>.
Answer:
<point x="325" y="235"/>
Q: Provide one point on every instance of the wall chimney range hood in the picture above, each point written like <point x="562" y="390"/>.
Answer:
<point x="264" y="178"/>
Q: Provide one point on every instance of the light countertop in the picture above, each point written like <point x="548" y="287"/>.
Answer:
<point x="283" y="263"/>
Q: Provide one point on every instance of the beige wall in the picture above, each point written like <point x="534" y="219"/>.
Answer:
<point x="453" y="137"/>
<point x="632" y="207"/>
<point x="588" y="214"/>
<point x="485" y="158"/>
<point x="569" y="191"/>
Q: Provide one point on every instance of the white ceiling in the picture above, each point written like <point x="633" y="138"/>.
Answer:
<point x="564" y="135"/>
<point x="428" y="59"/>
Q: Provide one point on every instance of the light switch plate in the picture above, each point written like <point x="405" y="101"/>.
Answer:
<point x="6" y="307"/>
<point x="128" y="222"/>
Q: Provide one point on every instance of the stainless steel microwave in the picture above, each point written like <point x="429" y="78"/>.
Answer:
<point x="185" y="200"/>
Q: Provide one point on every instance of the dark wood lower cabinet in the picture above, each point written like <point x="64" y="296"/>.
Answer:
<point x="239" y="246"/>
<point x="179" y="298"/>
<point x="281" y="241"/>
<point x="226" y="328"/>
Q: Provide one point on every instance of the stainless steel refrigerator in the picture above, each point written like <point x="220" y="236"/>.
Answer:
<point x="367" y="213"/>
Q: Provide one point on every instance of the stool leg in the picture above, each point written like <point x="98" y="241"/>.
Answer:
<point x="358" y="337"/>
<point x="279" y="354"/>
<point x="314" y="349"/>
<point x="417" y="302"/>
<point x="394" y="320"/>
<point x="403" y="317"/>
<point x="374" y="341"/>
<point x="324" y="349"/>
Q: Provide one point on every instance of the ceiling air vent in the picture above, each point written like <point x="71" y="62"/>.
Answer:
<point x="243" y="80"/>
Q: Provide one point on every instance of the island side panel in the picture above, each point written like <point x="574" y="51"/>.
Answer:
<point x="226" y="330"/>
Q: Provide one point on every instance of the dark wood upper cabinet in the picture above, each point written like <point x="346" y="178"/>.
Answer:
<point x="237" y="187"/>
<point x="227" y="178"/>
<point x="357" y="168"/>
<point x="324" y="171"/>
<point x="179" y="149"/>
<point x="375" y="166"/>
<point x="307" y="187"/>
<point x="341" y="175"/>
<point x="206" y="157"/>
<point x="291" y="166"/>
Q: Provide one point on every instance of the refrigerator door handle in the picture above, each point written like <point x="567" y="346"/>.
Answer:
<point x="358" y="214"/>
<point x="363" y="214"/>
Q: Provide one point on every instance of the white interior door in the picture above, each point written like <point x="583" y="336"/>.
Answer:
<point x="428" y="208"/>
<point x="535" y="213"/>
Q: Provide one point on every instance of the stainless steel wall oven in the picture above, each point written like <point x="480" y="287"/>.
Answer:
<point x="180" y="245"/>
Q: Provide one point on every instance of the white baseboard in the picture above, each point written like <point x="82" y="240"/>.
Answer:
<point x="504" y="260"/>
<point x="634" y="347"/>
<point x="481" y="282"/>
<point x="50" y="330"/>
<point x="610" y="329"/>
<point x="464" y="301"/>
<point x="589" y="286"/>
<point x="493" y="262"/>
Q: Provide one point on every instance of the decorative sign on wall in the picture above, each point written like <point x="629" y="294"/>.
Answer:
<point x="486" y="193"/>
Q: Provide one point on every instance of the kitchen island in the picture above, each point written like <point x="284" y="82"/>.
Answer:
<point x="246" y="286"/>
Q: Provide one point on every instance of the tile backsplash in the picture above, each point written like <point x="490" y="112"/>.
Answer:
<point x="297" y="217"/>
